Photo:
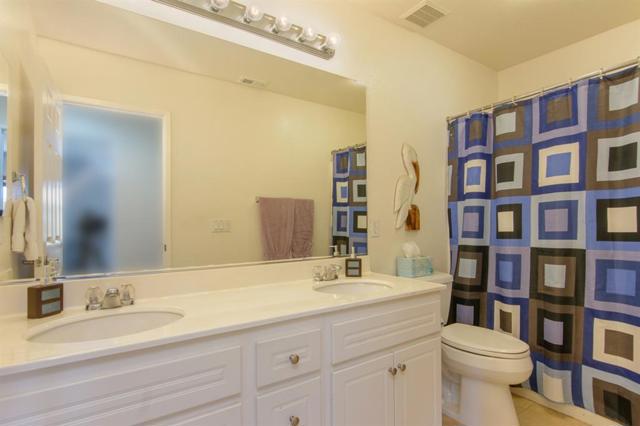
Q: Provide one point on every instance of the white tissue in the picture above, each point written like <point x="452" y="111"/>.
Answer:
<point x="411" y="249"/>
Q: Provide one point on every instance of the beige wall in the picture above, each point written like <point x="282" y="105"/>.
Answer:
<point x="601" y="51"/>
<point x="4" y="71"/>
<point x="229" y="144"/>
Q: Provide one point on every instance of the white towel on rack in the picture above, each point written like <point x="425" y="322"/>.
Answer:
<point x="23" y="228"/>
<point x="31" y="243"/>
<point x="18" y="224"/>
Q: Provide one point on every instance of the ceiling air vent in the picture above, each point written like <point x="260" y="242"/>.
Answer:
<point x="423" y="14"/>
<point x="252" y="82"/>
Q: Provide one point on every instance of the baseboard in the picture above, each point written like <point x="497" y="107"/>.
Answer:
<point x="577" y="413"/>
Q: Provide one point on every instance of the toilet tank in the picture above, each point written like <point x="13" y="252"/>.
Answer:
<point x="445" y="296"/>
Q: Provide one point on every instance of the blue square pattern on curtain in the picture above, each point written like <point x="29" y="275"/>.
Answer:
<point x="544" y="218"/>
<point x="349" y="195"/>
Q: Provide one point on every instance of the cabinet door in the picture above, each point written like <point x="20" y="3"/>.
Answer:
<point x="417" y="385"/>
<point x="363" y="394"/>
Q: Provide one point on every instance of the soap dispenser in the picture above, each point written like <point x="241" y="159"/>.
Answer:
<point x="353" y="265"/>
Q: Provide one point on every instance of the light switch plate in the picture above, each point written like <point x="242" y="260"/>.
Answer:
<point x="374" y="232"/>
<point x="220" y="225"/>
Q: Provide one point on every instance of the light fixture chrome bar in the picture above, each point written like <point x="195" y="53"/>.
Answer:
<point x="279" y="37"/>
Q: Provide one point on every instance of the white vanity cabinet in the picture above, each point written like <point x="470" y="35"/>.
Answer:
<point x="417" y="384"/>
<point x="399" y="386"/>
<point x="376" y="364"/>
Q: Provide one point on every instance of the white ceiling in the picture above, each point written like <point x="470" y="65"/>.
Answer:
<point x="502" y="33"/>
<point x="113" y="30"/>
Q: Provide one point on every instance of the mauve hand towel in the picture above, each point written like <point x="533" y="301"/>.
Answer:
<point x="302" y="228"/>
<point x="276" y="219"/>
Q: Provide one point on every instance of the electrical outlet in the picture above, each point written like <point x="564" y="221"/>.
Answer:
<point x="220" y="225"/>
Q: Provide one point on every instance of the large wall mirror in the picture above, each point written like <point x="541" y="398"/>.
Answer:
<point x="179" y="150"/>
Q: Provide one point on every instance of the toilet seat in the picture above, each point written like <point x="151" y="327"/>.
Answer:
<point x="483" y="341"/>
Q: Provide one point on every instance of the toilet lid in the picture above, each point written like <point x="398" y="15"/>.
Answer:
<point x="483" y="341"/>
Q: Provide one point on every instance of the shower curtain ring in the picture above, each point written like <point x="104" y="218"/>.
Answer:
<point x="601" y="74"/>
<point x="513" y="101"/>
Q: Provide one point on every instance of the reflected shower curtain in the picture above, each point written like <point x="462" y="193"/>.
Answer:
<point x="349" y="200"/>
<point x="544" y="218"/>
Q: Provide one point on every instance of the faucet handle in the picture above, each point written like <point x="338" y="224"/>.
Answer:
<point x="128" y="294"/>
<point x="93" y="297"/>
<point x="318" y="273"/>
<point x="53" y="265"/>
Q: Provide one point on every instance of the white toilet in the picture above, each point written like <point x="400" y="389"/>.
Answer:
<point x="478" y="366"/>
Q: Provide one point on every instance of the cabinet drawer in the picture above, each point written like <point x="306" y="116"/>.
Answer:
<point x="288" y="356"/>
<point x="132" y="395"/>
<point x="383" y="329"/>
<point x="303" y="401"/>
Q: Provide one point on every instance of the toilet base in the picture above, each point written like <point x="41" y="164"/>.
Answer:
<point x="486" y="404"/>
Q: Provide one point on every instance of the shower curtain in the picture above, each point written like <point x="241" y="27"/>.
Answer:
<point x="349" y="200"/>
<point x="544" y="227"/>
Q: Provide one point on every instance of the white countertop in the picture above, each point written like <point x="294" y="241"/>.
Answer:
<point x="206" y="314"/>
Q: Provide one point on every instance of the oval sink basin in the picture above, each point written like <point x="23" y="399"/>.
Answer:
<point x="100" y="325"/>
<point x="352" y="287"/>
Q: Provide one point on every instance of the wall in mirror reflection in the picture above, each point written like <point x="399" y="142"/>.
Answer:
<point x="223" y="146"/>
<point x="164" y="152"/>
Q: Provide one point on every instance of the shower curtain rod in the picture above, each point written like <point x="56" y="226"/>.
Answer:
<point x="531" y="94"/>
<point x="356" y="146"/>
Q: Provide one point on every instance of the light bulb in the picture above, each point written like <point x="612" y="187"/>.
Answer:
<point x="332" y="41"/>
<point x="218" y="5"/>
<point x="282" y="24"/>
<point x="252" y="14"/>
<point x="308" y="35"/>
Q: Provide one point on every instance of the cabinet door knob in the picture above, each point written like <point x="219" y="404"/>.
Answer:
<point x="402" y="367"/>
<point x="294" y="358"/>
<point x="393" y="371"/>
<point x="294" y="420"/>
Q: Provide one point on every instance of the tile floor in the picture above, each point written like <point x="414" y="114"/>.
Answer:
<point x="532" y="414"/>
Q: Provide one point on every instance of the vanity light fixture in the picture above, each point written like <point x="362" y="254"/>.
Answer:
<point x="252" y="14"/>
<point x="331" y="42"/>
<point x="218" y="5"/>
<point x="251" y="18"/>
<point x="307" y="35"/>
<point x="281" y="25"/>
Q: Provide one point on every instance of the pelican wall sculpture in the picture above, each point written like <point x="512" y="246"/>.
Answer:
<point x="406" y="212"/>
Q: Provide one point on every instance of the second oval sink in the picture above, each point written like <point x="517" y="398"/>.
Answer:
<point x="352" y="287"/>
<point x="103" y="325"/>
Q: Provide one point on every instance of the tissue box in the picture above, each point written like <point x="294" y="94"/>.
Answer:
<point x="413" y="267"/>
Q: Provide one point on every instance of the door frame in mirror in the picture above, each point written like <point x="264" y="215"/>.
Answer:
<point x="165" y="117"/>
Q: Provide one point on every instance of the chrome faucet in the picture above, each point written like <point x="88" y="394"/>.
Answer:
<point x="112" y="298"/>
<point x="326" y="272"/>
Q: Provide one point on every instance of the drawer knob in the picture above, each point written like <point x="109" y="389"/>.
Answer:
<point x="393" y="371"/>
<point x="402" y="367"/>
<point x="294" y="358"/>
<point x="294" y="420"/>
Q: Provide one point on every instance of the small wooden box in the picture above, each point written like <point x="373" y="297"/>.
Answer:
<point x="45" y="300"/>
